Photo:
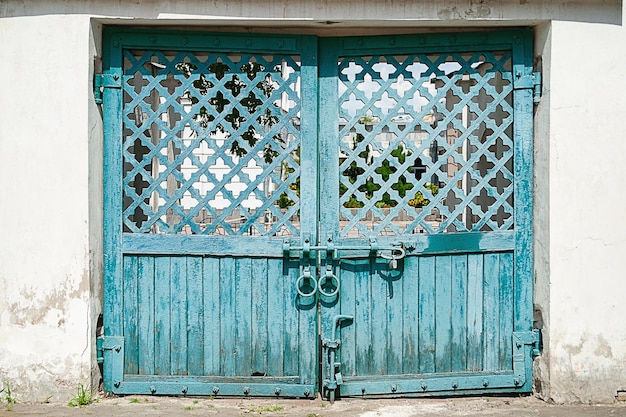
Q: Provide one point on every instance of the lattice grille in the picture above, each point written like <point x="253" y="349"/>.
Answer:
<point x="426" y="144"/>
<point x="211" y="143"/>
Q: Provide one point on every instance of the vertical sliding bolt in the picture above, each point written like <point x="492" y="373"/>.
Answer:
<point x="184" y="390"/>
<point x="152" y="389"/>
<point x="485" y="383"/>
<point x="277" y="391"/>
<point x="246" y="390"/>
<point x="215" y="390"/>
<point x="307" y="393"/>
<point x="455" y="385"/>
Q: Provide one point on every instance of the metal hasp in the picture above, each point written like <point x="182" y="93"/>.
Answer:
<point x="330" y="349"/>
<point x="396" y="250"/>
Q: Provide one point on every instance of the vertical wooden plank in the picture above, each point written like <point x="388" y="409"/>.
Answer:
<point x="162" y="300"/>
<point x="474" y="312"/>
<point x="459" y="313"/>
<point x="380" y="331"/>
<point x="410" y="305"/>
<point x="443" y="310"/>
<point x="309" y="200"/>
<point x="309" y="162"/>
<point x="328" y="135"/>
<point x="506" y="311"/>
<point x="523" y="193"/>
<point x="178" y="315"/>
<point x="427" y="314"/>
<point x="395" y="319"/>
<point x="308" y="337"/>
<point x="212" y="313"/>
<point x="112" y="184"/>
<point x="260" y="307"/>
<point x="195" y="316"/>
<point x="112" y="203"/>
<point x="228" y="311"/>
<point x="145" y="314"/>
<point x="349" y="282"/>
<point x="275" y="321"/>
<point x="243" y="325"/>
<point x="491" y="311"/>
<point x="290" y="318"/>
<point x="363" y="317"/>
<point x="131" y="360"/>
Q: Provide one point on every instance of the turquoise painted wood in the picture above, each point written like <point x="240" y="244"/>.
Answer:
<point x="256" y="186"/>
<point x="209" y="165"/>
<point x="431" y="144"/>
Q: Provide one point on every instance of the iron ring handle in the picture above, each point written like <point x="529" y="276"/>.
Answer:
<point x="331" y="276"/>
<point x="301" y="278"/>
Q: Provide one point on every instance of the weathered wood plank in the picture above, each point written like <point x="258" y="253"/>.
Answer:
<point x="260" y="306"/>
<point x="410" y="305"/>
<point x="475" y="312"/>
<point x="379" y="322"/>
<point x="228" y="313"/>
<point x="395" y="318"/>
<point x="290" y="318"/>
<point x="195" y="316"/>
<point x="275" y="319"/>
<point x="212" y="292"/>
<point x="507" y="302"/>
<point x="427" y="314"/>
<point x="178" y="315"/>
<point x="363" y="316"/>
<point x="349" y="282"/>
<point x="146" y="317"/>
<point x="308" y="337"/>
<point x="162" y="322"/>
<point x="443" y="312"/>
<point x="131" y="359"/>
<point x="243" y="316"/>
<point x="459" y="313"/>
<point x="491" y="311"/>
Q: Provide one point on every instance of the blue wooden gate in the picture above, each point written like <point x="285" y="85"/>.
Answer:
<point x="277" y="205"/>
<point x="430" y="141"/>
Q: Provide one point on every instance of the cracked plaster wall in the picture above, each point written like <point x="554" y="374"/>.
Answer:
<point x="45" y="259"/>
<point x="587" y="221"/>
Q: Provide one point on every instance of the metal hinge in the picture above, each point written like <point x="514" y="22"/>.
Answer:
<point x="113" y="343"/>
<point x="536" y="87"/>
<point x="532" y="338"/>
<point x="102" y="81"/>
<point x="99" y="350"/>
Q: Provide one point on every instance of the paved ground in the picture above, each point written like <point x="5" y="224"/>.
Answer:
<point x="135" y="406"/>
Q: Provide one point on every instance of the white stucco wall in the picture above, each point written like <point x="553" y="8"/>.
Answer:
<point x="587" y="220"/>
<point x="51" y="156"/>
<point x="45" y="261"/>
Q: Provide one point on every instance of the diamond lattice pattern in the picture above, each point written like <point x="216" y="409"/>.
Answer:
<point x="211" y="143"/>
<point x="426" y="144"/>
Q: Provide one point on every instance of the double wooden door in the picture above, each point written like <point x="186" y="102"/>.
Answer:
<point x="287" y="215"/>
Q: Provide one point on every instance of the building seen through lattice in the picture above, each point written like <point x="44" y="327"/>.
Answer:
<point x="212" y="144"/>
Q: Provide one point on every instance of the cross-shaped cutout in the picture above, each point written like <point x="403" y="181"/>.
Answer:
<point x="419" y="169"/>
